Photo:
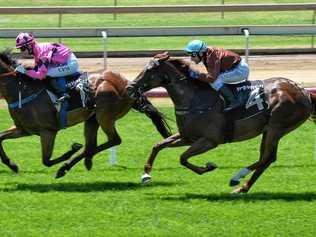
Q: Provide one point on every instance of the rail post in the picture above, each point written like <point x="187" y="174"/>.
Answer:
<point x="313" y="22"/>
<point x="112" y="158"/>
<point x="60" y="18"/>
<point x="246" y="34"/>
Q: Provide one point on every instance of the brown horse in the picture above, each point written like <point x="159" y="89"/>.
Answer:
<point x="203" y="125"/>
<point x="36" y="114"/>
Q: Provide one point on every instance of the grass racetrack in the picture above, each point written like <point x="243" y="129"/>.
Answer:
<point x="109" y="201"/>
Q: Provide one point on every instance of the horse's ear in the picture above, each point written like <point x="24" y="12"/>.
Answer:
<point x="162" y="56"/>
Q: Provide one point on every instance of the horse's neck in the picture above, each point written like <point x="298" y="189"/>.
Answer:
<point x="178" y="97"/>
<point x="9" y="88"/>
<point x="187" y="95"/>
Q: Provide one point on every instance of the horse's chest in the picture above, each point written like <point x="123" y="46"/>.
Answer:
<point x="193" y="124"/>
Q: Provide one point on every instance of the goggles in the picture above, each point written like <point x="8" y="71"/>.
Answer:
<point x="23" y="48"/>
<point x="193" y="54"/>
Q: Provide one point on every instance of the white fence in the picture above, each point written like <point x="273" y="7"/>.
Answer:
<point x="247" y="30"/>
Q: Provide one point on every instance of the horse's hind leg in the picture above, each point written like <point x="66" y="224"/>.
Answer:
<point x="113" y="140"/>
<point x="200" y="146"/>
<point x="268" y="155"/>
<point x="235" y="180"/>
<point x="11" y="133"/>
<point x="113" y="137"/>
<point x="90" y="133"/>
<point x="47" y="142"/>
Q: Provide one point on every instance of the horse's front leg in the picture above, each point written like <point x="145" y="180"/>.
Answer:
<point x="172" y="141"/>
<point x="47" y="142"/>
<point x="11" y="133"/>
<point x="200" y="146"/>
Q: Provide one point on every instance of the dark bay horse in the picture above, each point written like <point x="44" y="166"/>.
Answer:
<point x="37" y="115"/>
<point x="202" y="123"/>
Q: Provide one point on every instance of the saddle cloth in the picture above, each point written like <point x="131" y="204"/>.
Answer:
<point x="252" y="98"/>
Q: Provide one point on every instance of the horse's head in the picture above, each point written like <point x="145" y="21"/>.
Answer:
<point x="10" y="81"/>
<point x="159" y="72"/>
<point x="7" y="62"/>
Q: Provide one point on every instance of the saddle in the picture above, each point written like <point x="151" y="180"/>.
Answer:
<point x="253" y="102"/>
<point x="78" y="88"/>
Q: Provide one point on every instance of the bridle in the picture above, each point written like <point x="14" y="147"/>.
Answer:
<point x="10" y="70"/>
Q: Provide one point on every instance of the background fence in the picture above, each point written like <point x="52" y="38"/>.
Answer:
<point x="232" y="30"/>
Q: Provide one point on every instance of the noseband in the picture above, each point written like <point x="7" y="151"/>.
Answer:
<point x="10" y="70"/>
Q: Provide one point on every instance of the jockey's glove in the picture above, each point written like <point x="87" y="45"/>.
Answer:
<point x="20" y="69"/>
<point x="194" y="74"/>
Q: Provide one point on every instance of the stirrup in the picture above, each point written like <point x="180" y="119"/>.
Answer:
<point x="62" y="99"/>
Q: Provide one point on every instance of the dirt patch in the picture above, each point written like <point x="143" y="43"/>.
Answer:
<point x="300" y="68"/>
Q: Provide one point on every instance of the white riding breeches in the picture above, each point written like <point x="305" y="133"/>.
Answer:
<point x="236" y="75"/>
<point x="71" y="67"/>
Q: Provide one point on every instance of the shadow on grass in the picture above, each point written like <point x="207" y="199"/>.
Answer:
<point x="82" y="187"/>
<point x="250" y="197"/>
<point x="276" y="166"/>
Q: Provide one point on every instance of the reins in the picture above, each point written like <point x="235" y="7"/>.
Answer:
<point x="178" y="72"/>
<point x="10" y="69"/>
<point x="11" y="72"/>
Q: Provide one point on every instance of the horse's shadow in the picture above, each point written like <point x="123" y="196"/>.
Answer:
<point x="80" y="187"/>
<point x="250" y="197"/>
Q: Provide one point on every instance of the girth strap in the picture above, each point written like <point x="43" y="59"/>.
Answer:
<point x="25" y="100"/>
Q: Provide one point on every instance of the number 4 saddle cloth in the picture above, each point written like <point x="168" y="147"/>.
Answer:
<point x="252" y="98"/>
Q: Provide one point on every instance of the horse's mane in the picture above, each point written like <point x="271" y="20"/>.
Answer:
<point x="7" y="57"/>
<point x="184" y="67"/>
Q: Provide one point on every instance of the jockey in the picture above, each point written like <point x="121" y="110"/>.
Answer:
<point x="223" y="66"/>
<point x="51" y="59"/>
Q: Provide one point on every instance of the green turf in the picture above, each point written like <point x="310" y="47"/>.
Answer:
<point x="109" y="201"/>
<point x="148" y="20"/>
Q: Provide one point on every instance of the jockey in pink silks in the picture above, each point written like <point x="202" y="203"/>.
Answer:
<point x="53" y="60"/>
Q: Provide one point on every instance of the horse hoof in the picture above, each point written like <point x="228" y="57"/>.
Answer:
<point x="211" y="166"/>
<point x="60" y="173"/>
<point x="76" y="146"/>
<point x="239" y="190"/>
<point x="146" y="179"/>
<point x="88" y="163"/>
<point x="14" y="168"/>
<point x="233" y="182"/>
<point x="236" y="191"/>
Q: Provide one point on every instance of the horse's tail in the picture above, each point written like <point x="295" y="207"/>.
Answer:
<point x="143" y="105"/>
<point x="313" y="99"/>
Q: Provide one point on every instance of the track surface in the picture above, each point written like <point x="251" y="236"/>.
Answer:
<point x="300" y="68"/>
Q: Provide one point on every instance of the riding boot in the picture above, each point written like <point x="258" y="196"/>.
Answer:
<point x="59" y="86"/>
<point x="229" y="95"/>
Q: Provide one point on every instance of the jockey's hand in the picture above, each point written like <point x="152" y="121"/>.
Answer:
<point x="20" y="69"/>
<point x="194" y="74"/>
